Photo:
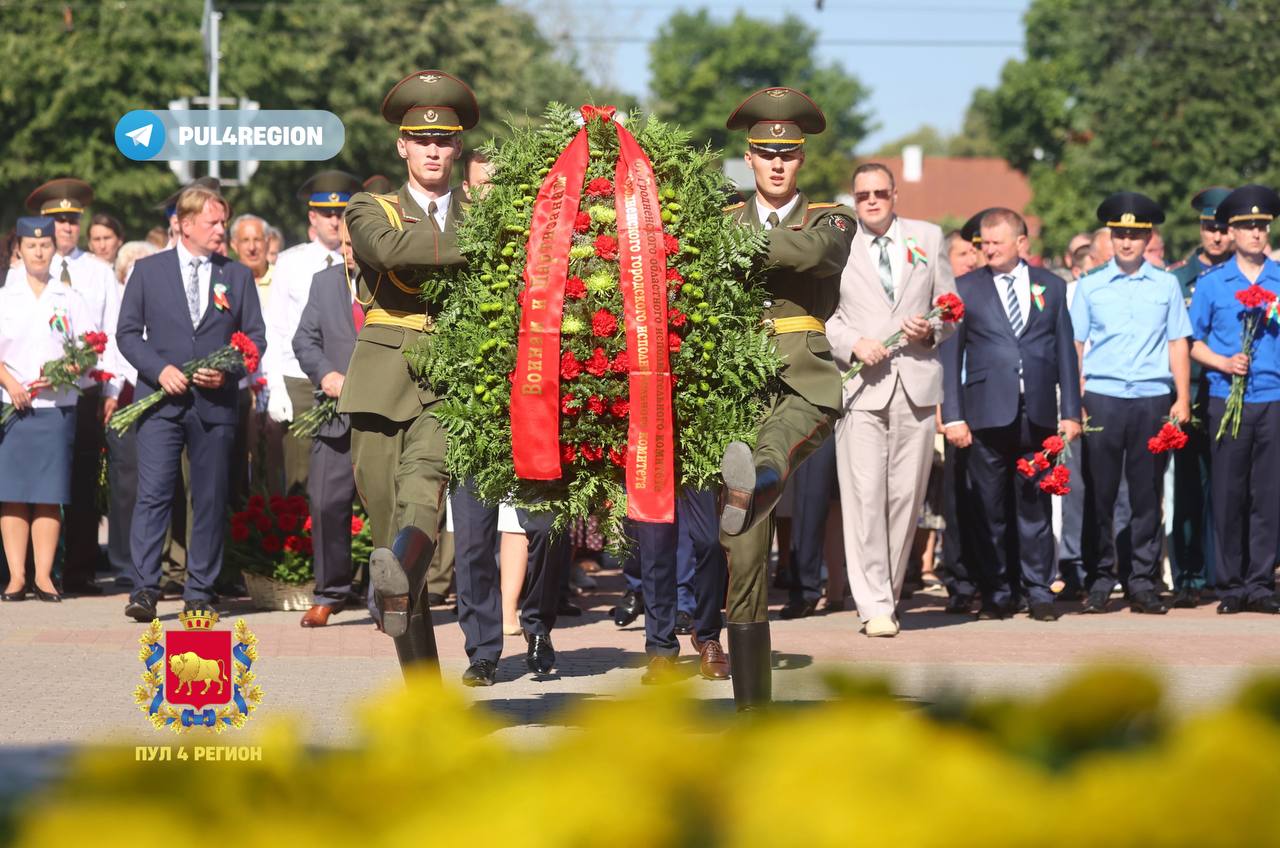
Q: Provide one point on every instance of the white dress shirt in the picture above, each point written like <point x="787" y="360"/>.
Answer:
<point x="441" y="202"/>
<point x="27" y="339"/>
<point x="897" y="252"/>
<point x="95" y="281"/>
<point x="291" y="286"/>
<point x="782" y="213"/>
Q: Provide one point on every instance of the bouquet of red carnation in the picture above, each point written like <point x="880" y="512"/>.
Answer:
<point x="79" y="355"/>
<point x="949" y="308"/>
<point x="272" y="538"/>
<point x="1259" y="306"/>
<point x="1170" y="438"/>
<point x="240" y="354"/>
<point x="1052" y="454"/>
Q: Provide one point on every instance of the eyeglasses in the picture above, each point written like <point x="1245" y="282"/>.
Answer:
<point x="880" y="193"/>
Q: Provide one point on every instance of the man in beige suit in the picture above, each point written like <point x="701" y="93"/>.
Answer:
<point x="884" y="443"/>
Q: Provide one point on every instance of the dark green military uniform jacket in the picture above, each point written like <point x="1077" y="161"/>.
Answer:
<point x="393" y="264"/>
<point x="807" y="254"/>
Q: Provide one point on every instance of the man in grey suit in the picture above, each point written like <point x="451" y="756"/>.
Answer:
<point x="884" y="443"/>
<point x="323" y="343"/>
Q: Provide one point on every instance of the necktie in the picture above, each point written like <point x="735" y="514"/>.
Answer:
<point x="357" y="316"/>
<point x="431" y="215"/>
<point x="328" y="261"/>
<point x="65" y="276"/>
<point x="772" y="221"/>
<point x="886" y="270"/>
<point x="1011" y="300"/>
<point x="193" y="292"/>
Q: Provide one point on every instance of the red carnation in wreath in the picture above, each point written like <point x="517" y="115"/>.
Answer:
<point x="598" y="363"/>
<point x="673" y="343"/>
<point x="590" y="453"/>
<point x="575" y="288"/>
<point x="596" y="405"/>
<point x="621" y="363"/>
<point x="600" y="187"/>
<point x="617" y="457"/>
<point x="582" y="223"/>
<point x="567" y="453"/>
<point x="603" y="323"/>
<point x="570" y="367"/>
<point x="676" y="318"/>
<point x="606" y="247"/>
<point x="568" y="404"/>
<point x="620" y="407"/>
<point x="670" y="244"/>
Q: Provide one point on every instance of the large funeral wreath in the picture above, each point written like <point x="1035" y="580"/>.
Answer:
<point x="720" y="358"/>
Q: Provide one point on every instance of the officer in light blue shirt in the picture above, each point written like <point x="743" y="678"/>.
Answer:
<point x="1246" y="455"/>
<point x="1131" y="330"/>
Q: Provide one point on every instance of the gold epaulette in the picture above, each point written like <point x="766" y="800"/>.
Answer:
<point x="823" y="205"/>
<point x="734" y="206"/>
<point x="390" y="198"/>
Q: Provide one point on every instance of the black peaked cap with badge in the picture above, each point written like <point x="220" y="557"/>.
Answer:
<point x="431" y="104"/>
<point x="329" y="189"/>
<point x="1249" y="203"/>
<point x="777" y="119"/>
<point x="1129" y="209"/>
<point x="1206" y="202"/>
<point x="972" y="229"/>
<point x="63" y="196"/>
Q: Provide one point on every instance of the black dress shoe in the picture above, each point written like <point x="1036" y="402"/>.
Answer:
<point x="629" y="610"/>
<point x="994" y="612"/>
<point x="141" y="607"/>
<point x="1096" y="602"/>
<point x="684" y="623"/>
<point x="1043" y="611"/>
<point x="568" y="609"/>
<point x="47" y="597"/>
<point x="435" y="599"/>
<point x="959" y="605"/>
<point x="1230" y="606"/>
<point x="20" y="595"/>
<point x="1187" y="598"/>
<point x="1148" y="603"/>
<point x="800" y="609"/>
<point x="480" y="673"/>
<point x="541" y="656"/>
<point x="1265" y="604"/>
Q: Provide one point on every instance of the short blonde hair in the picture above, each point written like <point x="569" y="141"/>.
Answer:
<point x="193" y="200"/>
<point x="131" y="252"/>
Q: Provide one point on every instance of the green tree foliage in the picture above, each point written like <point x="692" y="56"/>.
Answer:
<point x="1159" y="96"/>
<point x="703" y="68"/>
<point x="70" y="76"/>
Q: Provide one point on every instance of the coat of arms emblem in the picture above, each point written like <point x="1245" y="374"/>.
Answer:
<point x="198" y="676"/>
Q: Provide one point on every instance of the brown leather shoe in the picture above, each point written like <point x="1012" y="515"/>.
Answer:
<point x="317" y="616"/>
<point x="714" y="664"/>
<point x="660" y="670"/>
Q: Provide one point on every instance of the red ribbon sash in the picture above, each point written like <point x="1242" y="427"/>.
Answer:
<point x="642" y="265"/>
<point x="535" y="394"/>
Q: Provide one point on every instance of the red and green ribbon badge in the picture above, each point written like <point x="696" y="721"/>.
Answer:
<point x="220" y="297"/>
<point x="1037" y="296"/>
<point x="58" y="321"/>
<point x="914" y="253"/>
<point x="1273" y="311"/>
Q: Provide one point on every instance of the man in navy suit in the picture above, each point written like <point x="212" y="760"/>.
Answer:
<point x="182" y="304"/>
<point x="1011" y="379"/>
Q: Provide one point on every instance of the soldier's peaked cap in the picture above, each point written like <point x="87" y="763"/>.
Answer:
<point x="329" y="189"/>
<point x="1249" y="203"/>
<point x="1206" y="202"/>
<point x="1129" y="209"/>
<point x="61" y="196"/>
<point x="430" y="103"/>
<point x="777" y="118"/>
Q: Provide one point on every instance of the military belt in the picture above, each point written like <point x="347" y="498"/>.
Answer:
<point x="417" y="321"/>
<point x="797" y="324"/>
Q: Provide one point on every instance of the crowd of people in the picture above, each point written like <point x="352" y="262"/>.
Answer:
<point x="1028" y="440"/>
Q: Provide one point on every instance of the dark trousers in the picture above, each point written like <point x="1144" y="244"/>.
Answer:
<point x="996" y="486"/>
<point x="1191" y="546"/>
<point x="1246" y="501"/>
<point x="655" y="551"/>
<point x="122" y="472"/>
<point x="957" y="536"/>
<point x="331" y="489"/>
<point x="686" y="571"/>
<point x="209" y="449"/>
<point x="813" y="486"/>
<point x="1119" y="450"/>
<point x="81" y="522"/>
<point x="475" y="536"/>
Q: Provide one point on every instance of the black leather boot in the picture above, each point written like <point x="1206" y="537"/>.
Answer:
<point x="750" y="665"/>
<point x="399" y="577"/>
<point x="750" y="491"/>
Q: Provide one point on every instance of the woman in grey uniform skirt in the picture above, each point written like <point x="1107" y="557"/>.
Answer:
<point x="37" y="314"/>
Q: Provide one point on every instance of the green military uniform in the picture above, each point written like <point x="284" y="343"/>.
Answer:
<point x="808" y="249"/>
<point x="1191" y="543"/>
<point x="397" y="445"/>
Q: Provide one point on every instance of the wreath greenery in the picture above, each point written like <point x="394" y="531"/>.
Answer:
<point x="721" y="359"/>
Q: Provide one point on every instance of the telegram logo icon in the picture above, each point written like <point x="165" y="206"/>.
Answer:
<point x="139" y="135"/>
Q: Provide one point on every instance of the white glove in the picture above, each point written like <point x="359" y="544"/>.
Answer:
<point x="279" y="407"/>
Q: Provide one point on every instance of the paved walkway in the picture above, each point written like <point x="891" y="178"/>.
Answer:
<point x="70" y="669"/>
